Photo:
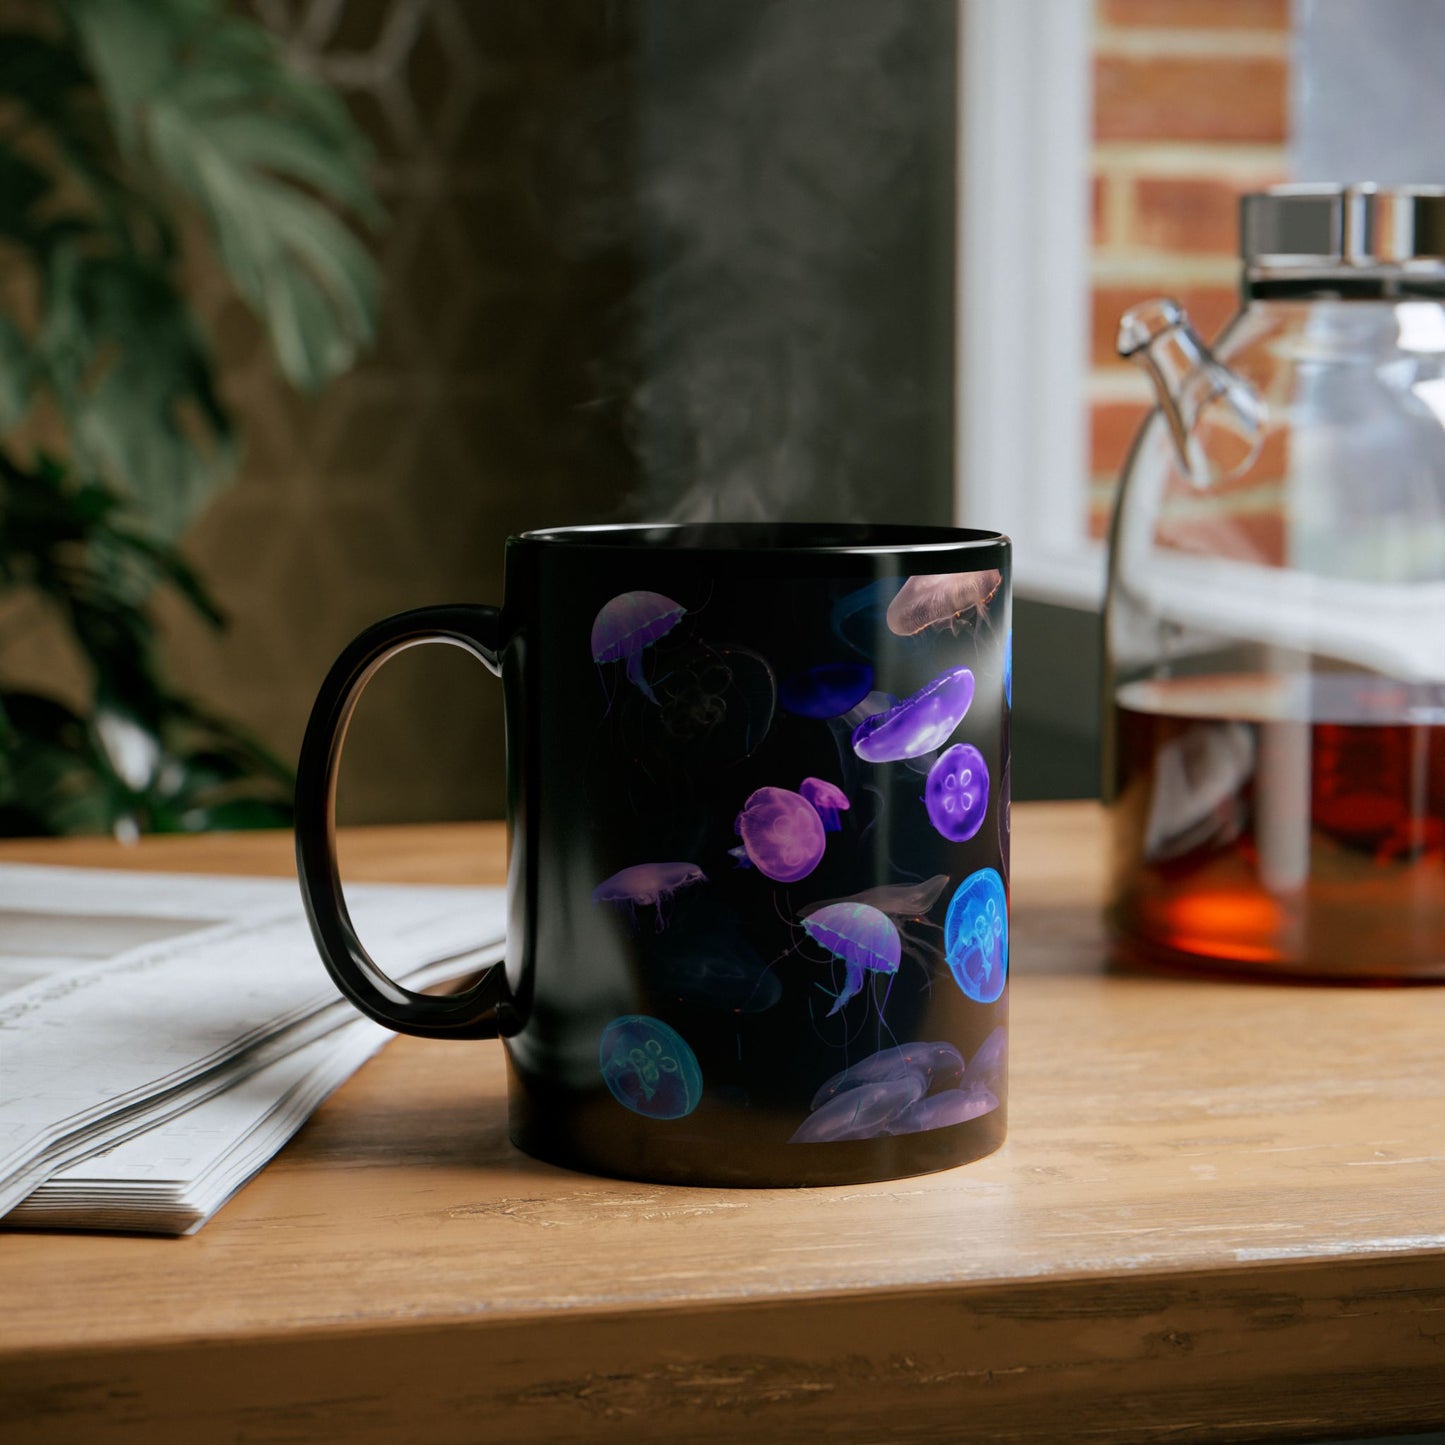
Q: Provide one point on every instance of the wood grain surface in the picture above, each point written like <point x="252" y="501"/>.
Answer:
<point x="1220" y="1215"/>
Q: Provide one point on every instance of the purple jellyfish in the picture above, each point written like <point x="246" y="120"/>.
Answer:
<point x="629" y="623"/>
<point x="956" y="793"/>
<point x="828" y="690"/>
<point x="875" y="702"/>
<point x="933" y="1064"/>
<point x="861" y="938"/>
<point x="828" y="799"/>
<point x="782" y="833"/>
<point x="987" y="1068"/>
<point x="900" y="1090"/>
<point x="904" y="903"/>
<point x="942" y="599"/>
<point x="861" y="1113"/>
<point x="953" y="1106"/>
<point x="919" y="723"/>
<point x="648" y="885"/>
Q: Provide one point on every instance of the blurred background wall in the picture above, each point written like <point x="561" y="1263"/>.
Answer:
<point x="644" y="257"/>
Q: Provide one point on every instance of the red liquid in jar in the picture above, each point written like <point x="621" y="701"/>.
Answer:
<point x="1287" y="826"/>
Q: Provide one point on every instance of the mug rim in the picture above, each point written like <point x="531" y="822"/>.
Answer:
<point x="773" y="538"/>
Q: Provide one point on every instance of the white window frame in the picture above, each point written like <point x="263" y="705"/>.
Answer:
<point x="1021" y="442"/>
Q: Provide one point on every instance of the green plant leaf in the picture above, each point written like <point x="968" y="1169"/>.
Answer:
<point x="54" y="95"/>
<point x="111" y="117"/>
<point x="17" y="370"/>
<point x="134" y="378"/>
<point x="265" y="153"/>
<point x="22" y="186"/>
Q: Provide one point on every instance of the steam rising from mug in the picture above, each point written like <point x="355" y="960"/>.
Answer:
<point x="788" y="347"/>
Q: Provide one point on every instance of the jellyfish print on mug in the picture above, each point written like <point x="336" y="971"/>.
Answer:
<point x="1005" y="824"/>
<point x="649" y="1068"/>
<point x="906" y="904"/>
<point x="648" y="885"/>
<point x="897" y="900"/>
<point x="975" y="936"/>
<point x="629" y="623"/>
<point x="919" y="723"/>
<point x="828" y="799"/>
<point x="945" y="599"/>
<point x="900" y="1090"/>
<point x="956" y="793"/>
<point x="826" y="691"/>
<point x="936" y="1065"/>
<point x="986" y="1069"/>
<point x="861" y="938"/>
<point x="782" y="834"/>
<point x="715" y="703"/>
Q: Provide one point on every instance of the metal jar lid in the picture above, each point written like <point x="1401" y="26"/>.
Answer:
<point x="1329" y="228"/>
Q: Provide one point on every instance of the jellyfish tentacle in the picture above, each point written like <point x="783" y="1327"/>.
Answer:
<point x="852" y="985"/>
<point x="634" y="675"/>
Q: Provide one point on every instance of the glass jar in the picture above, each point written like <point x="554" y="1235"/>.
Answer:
<point x="1275" y="623"/>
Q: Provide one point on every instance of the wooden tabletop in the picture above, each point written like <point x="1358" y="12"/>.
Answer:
<point x="1220" y="1214"/>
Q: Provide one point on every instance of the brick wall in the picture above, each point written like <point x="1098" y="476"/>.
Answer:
<point x="1190" y="110"/>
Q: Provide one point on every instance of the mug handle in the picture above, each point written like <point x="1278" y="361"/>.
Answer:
<point x="472" y="1014"/>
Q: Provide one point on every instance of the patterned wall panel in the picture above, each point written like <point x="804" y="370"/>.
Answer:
<point x="476" y="416"/>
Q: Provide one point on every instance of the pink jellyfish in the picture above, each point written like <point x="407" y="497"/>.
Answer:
<point x="828" y="799"/>
<point x="629" y="623"/>
<point x="782" y="833"/>
<point x="648" y="885"/>
<point x="940" y="600"/>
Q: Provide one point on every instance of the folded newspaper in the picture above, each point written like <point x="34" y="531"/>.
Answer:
<point x="161" y="1036"/>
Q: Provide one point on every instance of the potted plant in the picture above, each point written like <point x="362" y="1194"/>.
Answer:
<point x="130" y="130"/>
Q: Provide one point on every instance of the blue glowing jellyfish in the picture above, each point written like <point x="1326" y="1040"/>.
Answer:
<point x="828" y="690"/>
<point x="919" y="723"/>
<point x="649" y="1067"/>
<point x="828" y="799"/>
<point x="975" y="935"/>
<point x="782" y="833"/>
<point x="648" y="885"/>
<point x="629" y="623"/>
<point x="937" y="1065"/>
<point x="863" y="939"/>
<point x="956" y="793"/>
<point x="1008" y="668"/>
<point x="939" y="1111"/>
<point x="944" y="599"/>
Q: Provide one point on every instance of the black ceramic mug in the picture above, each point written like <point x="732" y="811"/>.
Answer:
<point x="758" y="796"/>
